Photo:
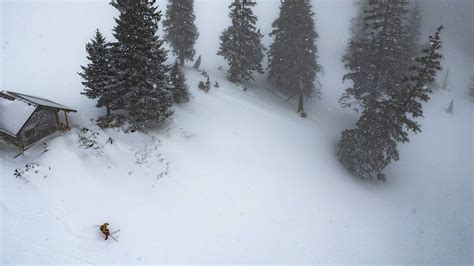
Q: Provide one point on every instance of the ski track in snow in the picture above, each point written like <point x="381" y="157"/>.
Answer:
<point x="237" y="177"/>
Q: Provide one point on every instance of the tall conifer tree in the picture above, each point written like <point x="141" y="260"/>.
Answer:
<point x="380" y="60"/>
<point x="358" y="29"/>
<point x="180" y="31"/>
<point x="138" y="58"/>
<point x="178" y="84"/>
<point x="367" y="149"/>
<point x="98" y="75"/>
<point x="293" y="55"/>
<point x="241" y="43"/>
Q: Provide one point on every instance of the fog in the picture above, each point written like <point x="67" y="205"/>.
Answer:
<point x="43" y="42"/>
<point x="235" y="175"/>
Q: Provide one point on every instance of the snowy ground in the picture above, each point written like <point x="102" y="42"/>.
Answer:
<point x="238" y="177"/>
<point x="235" y="176"/>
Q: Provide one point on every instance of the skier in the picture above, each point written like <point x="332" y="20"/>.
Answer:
<point x="105" y="230"/>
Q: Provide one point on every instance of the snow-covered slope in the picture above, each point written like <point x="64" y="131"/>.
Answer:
<point x="234" y="176"/>
<point x="238" y="177"/>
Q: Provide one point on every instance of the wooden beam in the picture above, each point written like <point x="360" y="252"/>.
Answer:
<point x="57" y="120"/>
<point x="67" y="121"/>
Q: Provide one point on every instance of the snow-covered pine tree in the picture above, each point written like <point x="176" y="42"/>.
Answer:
<point x="180" y="31"/>
<point x="202" y="86"/>
<point x="358" y="29"/>
<point x="98" y="75"/>
<point x="208" y="83"/>
<point x="178" y="84"/>
<point x="293" y="55"/>
<point x="367" y="149"/>
<point x="470" y="88"/>
<point x="241" y="43"/>
<point x="139" y="59"/>
<point x="379" y="61"/>
<point x="450" y="109"/>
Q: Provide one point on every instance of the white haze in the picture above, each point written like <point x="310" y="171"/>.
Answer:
<point x="250" y="181"/>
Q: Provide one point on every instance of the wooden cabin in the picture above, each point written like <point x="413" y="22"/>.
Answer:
<point x="26" y="119"/>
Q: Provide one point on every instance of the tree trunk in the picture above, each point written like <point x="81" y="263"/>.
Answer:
<point x="301" y="107"/>
<point x="300" y="104"/>
<point x="181" y="60"/>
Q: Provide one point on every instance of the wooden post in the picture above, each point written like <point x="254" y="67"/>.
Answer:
<point x="57" y="120"/>
<point x="67" y="121"/>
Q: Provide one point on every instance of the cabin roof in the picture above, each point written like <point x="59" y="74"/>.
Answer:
<point x="37" y="101"/>
<point x="13" y="115"/>
<point x="17" y="108"/>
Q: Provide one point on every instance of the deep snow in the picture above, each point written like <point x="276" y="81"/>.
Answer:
<point x="234" y="176"/>
<point x="247" y="181"/>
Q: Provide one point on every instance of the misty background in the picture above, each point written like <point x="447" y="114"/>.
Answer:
<point x="45" y="40"/>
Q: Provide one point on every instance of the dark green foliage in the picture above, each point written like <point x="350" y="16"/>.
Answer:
<point x="208" y="83"/>
<point x="241" y="42"/>
<point x="202" y="86"/>
<point x="180" y="31"/>
<point x="98" y="75"/>
<point x="358" y="28"/>
<point x="379" y="61"/>
<point x="367" y="149"/>
<point x="178" y="84"/>
<point x="293" y="54"/>
<point x="139" y="57"/>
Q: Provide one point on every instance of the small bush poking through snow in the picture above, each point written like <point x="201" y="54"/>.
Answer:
<point x="30" y="169"/>
<point x="89" y="140"/>
<point x="203" y="86"/>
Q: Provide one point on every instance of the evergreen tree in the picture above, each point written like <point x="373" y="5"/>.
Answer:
<point x="293" y="55"/>
<point x="470" y="88"/>
<point x="358" y="28"/>
<point x="380" y="60"/>
<point x="367" y="149"/>
<point x="98" y="75"/>
<point x="139" y="60"/>
<point x="450" y="109"/>
<point x="208" y="83"/>
<point x="178" y="84"/>
<point x="241" y="43"/>
<point x="180" y="31"/>
<point x="197" y="65"/>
